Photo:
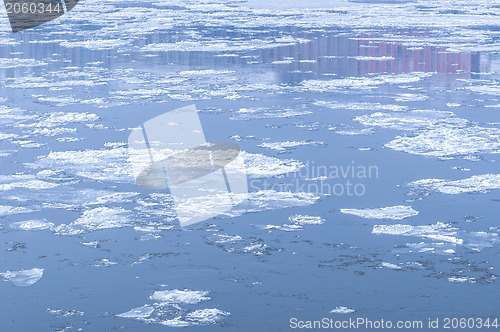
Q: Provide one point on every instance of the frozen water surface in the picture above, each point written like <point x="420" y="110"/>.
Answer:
<point x="303" y="87"/>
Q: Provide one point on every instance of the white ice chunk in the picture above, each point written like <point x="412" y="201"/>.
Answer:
<point x="23" y="278"/>
<point x="398" y="212"/>
<point x="342" y="310"/>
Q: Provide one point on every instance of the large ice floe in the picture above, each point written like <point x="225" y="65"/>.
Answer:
<point x="435" y="133"/>
<point x="173" y="309"/>
<point x="474" y="184"/>
<point x="22" y="278"/>
<point x="112" y="164"/>
<point x="95" y="219"/>
<point x="398" y="212"/>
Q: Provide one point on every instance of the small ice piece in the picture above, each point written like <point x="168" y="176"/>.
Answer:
<point x="285" y="227"/>
<point x="462" y="280"/>
<point x="180" y="296"/>
<point x="342" y="310"/>
<point x="306" y="219"/>
<point x="92" y="244"/>
<point x="64" y="313"/>
<point x="441" y="248"/>
<point x="298" y="221"/>
<point x="391" y="266"/>
<point x="103" y="262"/>
<point x="398" y="212"/>
<point x="23" y="278"/>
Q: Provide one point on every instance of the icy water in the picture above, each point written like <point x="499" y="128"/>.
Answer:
<point x="405" y="94"/>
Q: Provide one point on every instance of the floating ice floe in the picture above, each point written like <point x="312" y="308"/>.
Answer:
<point x="266" y="113"/>
<point x="95" y="219"/>
<point x="442" y="232"/>
<point x="271" y="200"/>
<point x="96" y="44"/>
<point x="449" y="142"/>
<point x="206" y="316"/>
<point x="171" y="308"/>
<point x="362" y="83"/>
<point x="442" y="248"/>
<point x="112" y="164"/>
<point x="159" y="204"/>
<point x="104" y="262"/>
<point x="240" y="245"/>
<point x="24" y="181"/>
<point x="417" y="119"/>
<point x="32" y="225"/>
<point x="361" y="106"/>
<point x="475" y="184"/>
<point x="180" y="296"/>
<point x="438" y="133"/>
<point x="342" y="310"/>
<point x="284" y="146"/>
<point x="103" y="165"/>
<point x="306" y="219"/>
<point x="462" y="280"/>
<point x="67" y="197"/>
<point x="16" y="62"/>
<point x="406" y="97"/>
<point x="220" y="45"/>
<point x="297" y="223"/>
<point x="398" y="212"/>
<point x="259" y="165"/>
<point x="7" y="210"/>
<point x="355" y="132"/>
<point x="64" y="313"/>
<point x="390" y="266"/>
<point x="284" y="227"/>
<point x="372" y="58"/>
<point x="23" y="278"/>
